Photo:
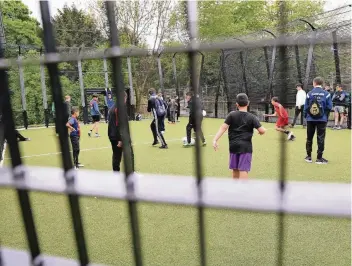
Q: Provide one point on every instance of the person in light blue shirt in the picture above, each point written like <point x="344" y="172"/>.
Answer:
<point x="317" y="108"/>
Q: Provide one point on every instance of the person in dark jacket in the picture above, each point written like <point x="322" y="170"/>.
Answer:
<point x="316" y="111"/>
<point x="157" y="123"/>
<point x="191" y="99"/>
<point x="339" y="103"/>
<point x="115" y="138"/>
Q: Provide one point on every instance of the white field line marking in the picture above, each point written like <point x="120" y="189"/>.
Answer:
<point x="93" y="149"/>
<point x="3" y="155"/>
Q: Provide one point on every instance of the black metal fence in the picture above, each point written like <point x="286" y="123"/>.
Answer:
<point x="199" y="192"/>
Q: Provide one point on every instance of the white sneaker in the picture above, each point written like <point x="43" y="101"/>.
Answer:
<point x="162" y="132"/>
<point x="289" y="135"/>
<point x="97" y="135"/>
<point x="80" y="165"/>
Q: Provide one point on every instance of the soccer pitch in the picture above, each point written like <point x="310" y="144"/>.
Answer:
<point x="169" y="233"/>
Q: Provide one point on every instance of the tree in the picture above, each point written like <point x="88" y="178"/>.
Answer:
<point x="20" y="27"/>
<point x="75" y="28"/>
<point x="139" y="21"/>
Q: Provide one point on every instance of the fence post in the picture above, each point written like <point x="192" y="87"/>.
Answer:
<point x="200" y="89"/>
<point x="43" y="85"/>
<point x="218" y="90"/>
<point x="271" y="74"/>
<point x="310" y="54"/>
<point x="336" y="58"/>
<point x="298" y="64"/>
<point x="23" y="90"/>
<point x="81" y="87"/>
<point x="177" y="85"/>
<point x="130" y="81"/>
<point x="161" y="80"/>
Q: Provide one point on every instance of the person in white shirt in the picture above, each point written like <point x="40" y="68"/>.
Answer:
<point x="300" y="100"/>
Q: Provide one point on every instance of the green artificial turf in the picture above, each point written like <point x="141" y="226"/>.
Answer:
<point x="169" y="233"/>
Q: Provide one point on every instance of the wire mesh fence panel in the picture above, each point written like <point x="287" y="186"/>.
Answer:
<point x="262" y="65"/>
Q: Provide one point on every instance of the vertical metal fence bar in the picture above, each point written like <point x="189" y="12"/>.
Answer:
<point x="161" y="78"/>
<point x="106" y="75"/>
<point x="201" y="75"/>
<point x="283" y="80"/>
<point x="298" y="64"/>
<point x="336" y="58"/>
<point x="18" y="169"/>
<point x="125" y="133"/>
<point x="81" y="81"/>
<point x="193" y="33"/>
<point x="309" y="60"/>
<point x="69" y="172"/>
<point x="216" y="107"/>
<point x="43" y="86"/>
<point x="130" y="81"/>
<point x="267" y="97"/>
<point x="174" y="69"/>
<point x="23" y="90"/>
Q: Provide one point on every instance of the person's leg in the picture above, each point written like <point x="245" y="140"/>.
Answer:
<point x="202" y="138"/>
<point x="244" y="164"/>
<point x="97" y="127"/>
<point x="75" y="148"/>
<point x="310" y="134"/>
<point x="336" y="114"/>
<point x="321" y="132"/>
<point x="158" y="122"/>
<point x="116" y="156"/>
<point x="342" y="116"/>
<point x="189" y="132"/>
<point x="93" y="126"/>
<point x="19" y="136"/>
<point x="153" y="129"/>
<point x="235" y="174"/>
<point x="233" y="165"/>
<point x="297" y="112"/>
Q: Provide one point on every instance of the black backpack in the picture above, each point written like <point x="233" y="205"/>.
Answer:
<point x="315" y="109"/>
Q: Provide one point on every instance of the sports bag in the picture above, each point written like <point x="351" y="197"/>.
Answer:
<point x="159" y="107"/>
<point x="315" y="109"/>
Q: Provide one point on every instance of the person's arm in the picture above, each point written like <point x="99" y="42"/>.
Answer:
<point x="69" y="125"/>
<point x="306" y="106"/>
<point x="272" y="115"/>
<point x="328" y="103"/>
<point x="342" y="96"/>
<point x="150" y="106"/>
<point x="219" y="134"/>
<point x="258" y="126"/>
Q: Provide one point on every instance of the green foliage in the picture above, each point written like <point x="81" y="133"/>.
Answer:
<point x="20" y="27"/>
<point x="74" y="27"/>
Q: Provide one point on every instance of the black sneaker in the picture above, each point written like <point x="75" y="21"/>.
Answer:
<point x="155" y="143"/>
<point x="321" y="161"/>
<point x="163" y="147"/>
<point x="308" y="159"/>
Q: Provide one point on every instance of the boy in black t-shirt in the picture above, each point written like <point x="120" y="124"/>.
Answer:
<point x="240" y="125"/>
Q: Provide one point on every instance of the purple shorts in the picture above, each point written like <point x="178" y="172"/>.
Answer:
<point x="240" y="161"/>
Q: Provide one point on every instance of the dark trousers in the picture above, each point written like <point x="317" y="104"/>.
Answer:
<point x="117" y="156"/>
<point x="298" y="111"/>
<point x="19" y="136"/>
<point x="173" y="116"/>
<point x="75" y="149"/>
<point x="191" y="125"/>
<point x="320" y="127"/>
<point x="156" y="126"/>
<point x="178" y="111"/>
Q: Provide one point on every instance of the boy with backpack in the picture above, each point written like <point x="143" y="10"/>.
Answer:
<point x="316" y="111"/>
<point x="157" y="108"/>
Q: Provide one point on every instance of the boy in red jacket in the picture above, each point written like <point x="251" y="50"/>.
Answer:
<point x="282" y="120"/>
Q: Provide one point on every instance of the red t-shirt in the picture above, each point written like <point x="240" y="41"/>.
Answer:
<point x="281" y="111"/>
